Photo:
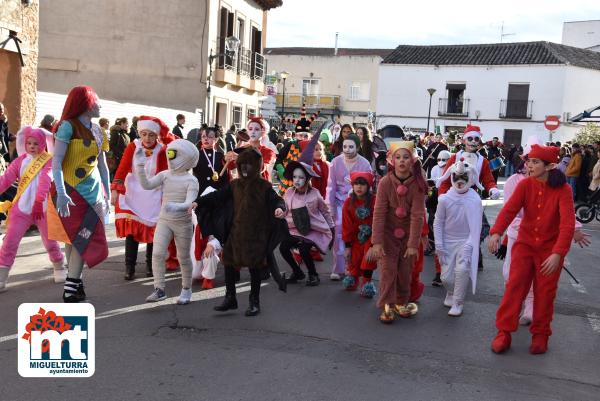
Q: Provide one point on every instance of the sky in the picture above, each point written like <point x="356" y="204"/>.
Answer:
<point x="388" y="23"/>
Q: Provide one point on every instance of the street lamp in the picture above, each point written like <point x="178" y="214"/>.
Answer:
<point x="231" y="47"/>
<point x="283" y="75"/>
<point x="431" y="92"/>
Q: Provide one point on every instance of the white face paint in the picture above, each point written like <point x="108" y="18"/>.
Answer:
<point x="349" y="148"/>
<point x="442" y="163"/>
<point x="460" y="182"/>
<point x="298" y="178"/>
<point x="254" y="131"/>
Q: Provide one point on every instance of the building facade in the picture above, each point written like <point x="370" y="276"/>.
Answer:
<point x="583" y="34"/>
<point x="18" y="64"/>
<point x="341" y="83"/>
<point x="159" y="55"/>
<point x="508" y="89"/>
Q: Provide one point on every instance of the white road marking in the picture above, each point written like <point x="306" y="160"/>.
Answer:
<point x="594" y="320"/>
<point x="197" y="296"/>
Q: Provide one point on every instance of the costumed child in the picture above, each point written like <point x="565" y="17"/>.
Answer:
<point x="257" y="129"/>
<point x="457" y="229"/>
<point x="79" y="199"/>
<point x="308" y="218"/>
<point x="179" y="190"/>
<point x="357" y="221"/>
<point x="247" y="216"/>
<point x="543" y="241"/>
<point x="438" y="170"/>
<point x="398" y="221"/>
<point x="137" y="209"/>
<point x="32" y="168"/>
<point x="338" y="190"/>
<point x="321" y="167"/>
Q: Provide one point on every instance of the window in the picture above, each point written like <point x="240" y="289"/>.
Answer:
<point x="310" y="87"/>
<point x="236" y="116"/>
<point x="251" y="112"/>
<point x="360" y="91"/>
<point x="455" y="104"/>
<point x="240" y="31"/>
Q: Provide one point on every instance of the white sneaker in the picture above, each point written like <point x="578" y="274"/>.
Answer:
<point x="525" y="320"/>
<point x="3" y="278"/>
<point x="60" y="272"/>
<point x="185" y="297"/>
<point x="449" y="300"/>
<point x="157" y="295"/>
<point x="335" y="277"/>
<point x="456" y="310"/>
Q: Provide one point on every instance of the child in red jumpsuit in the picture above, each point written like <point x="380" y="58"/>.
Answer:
<point x="357" y="221"/>
<point x="538" y="254"/>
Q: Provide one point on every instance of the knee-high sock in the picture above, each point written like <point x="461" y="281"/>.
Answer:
<point x="75" y="264"/>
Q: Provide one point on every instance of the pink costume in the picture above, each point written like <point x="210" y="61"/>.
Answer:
<point x="21" y="213"/>
<point x="318" y="212"/>
<point x="338" y="190"/>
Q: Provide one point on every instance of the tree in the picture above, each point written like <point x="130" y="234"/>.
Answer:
<point x="588" y="134"/>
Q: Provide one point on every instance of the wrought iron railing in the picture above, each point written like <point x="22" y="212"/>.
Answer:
<point x="243" y="62"/>
<point x="311" y="101"/>
<point x="453" y="107"/>
<point x="520" y="109"/>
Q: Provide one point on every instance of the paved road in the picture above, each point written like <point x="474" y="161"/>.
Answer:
<point x="309" y="344"/>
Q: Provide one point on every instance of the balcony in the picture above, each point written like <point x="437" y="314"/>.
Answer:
<point x="296" y="100"/>
<point x="245" y="68"/>
<point x="453" y="107"/>
<point x="518" y="109"/>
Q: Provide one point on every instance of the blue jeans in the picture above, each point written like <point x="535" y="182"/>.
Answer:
<point x="572" y="181"/>
<point x="509" y="170"/>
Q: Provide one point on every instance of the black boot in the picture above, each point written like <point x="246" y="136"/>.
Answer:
<point x="73" y="291"/>
<point x="437" y="280"/>
<point x="295" y="277"/>
<point x="229" y="302"/>
<point x="313" y="280"/>
<point x="254" y="306"/>
<point x="480" y="264"/>
<point x="149" y="248"/>
<point x="131" y="250"/>
<point x="277" y="276"/>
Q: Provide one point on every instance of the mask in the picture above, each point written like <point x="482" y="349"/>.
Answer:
<point x="299" y="178"/>
<point x="182" y="156"/>
<point x="460" y="182"/>
<point x="349" y="148"/>
<point x="442" y="163"/>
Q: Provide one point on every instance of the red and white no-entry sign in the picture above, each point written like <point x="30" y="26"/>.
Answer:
<point x="552" y="123"/>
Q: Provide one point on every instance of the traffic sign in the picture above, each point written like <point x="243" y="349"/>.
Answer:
<point x="552" y="123"/>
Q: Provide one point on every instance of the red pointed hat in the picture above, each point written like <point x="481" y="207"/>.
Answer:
<point x="472" y="130"/>
<point x="362" y="174"/>
<point x="546" y="153"/>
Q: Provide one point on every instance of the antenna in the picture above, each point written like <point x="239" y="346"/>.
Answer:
<point x="502" y="34"/>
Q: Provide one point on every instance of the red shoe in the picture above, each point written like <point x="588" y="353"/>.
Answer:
<point x="502" y="342"/>
<point x="208" y="284"/>
<point x="539" y="344"/>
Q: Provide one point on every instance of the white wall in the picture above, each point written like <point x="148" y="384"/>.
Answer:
<point x="582" y="34"/>
<point x="403" y="98"/>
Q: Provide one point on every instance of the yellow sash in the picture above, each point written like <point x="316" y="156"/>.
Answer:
<point x="33" y="168"/>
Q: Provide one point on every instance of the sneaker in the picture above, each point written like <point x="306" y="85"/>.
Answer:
<point x="456" y="310"/>
<point x="157" y="295"/>
<point x="295" y="277"/>
<point x="335" y="277"/>
<point x="313" y="281"/>
<point x="60" y="272"/>
<point x="437" y="280"/>
<point x="449" y="300"/>
<point x="185" y="297"/>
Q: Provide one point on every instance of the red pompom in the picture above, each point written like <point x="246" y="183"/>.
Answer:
<point x="401" y="212"/>
<point x="399" y="233"/>
<point x="401" y="190"/>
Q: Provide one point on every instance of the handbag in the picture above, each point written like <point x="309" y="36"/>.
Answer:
<point x="301" y="220"/>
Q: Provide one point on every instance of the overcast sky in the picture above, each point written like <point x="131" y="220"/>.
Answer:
<point x="388" y="23"/>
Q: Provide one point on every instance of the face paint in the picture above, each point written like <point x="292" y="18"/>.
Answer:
<point x="299" y="178"/>
<point x="254" y="131"/>
<point x="471" y="143"/>
<point x="460" y="182"/>
<point x="349" y="148"/>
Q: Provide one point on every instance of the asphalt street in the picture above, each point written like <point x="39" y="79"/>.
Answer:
<point x="318" y="343"/>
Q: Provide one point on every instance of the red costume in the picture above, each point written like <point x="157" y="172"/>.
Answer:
<point x="547" y="228"/>
<point x="321" y="167"/>
<point x="355" y="237"/>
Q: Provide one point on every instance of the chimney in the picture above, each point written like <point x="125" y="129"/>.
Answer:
<point x="336" y="40"/>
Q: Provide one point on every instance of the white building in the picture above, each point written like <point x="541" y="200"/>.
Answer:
<point x="508" y="89"/>
<point x="340" y="82"/>
<point x="140" y="56"/>
<point x="584" y="34"/>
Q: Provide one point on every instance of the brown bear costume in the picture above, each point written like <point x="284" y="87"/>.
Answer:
<point x="241" y="216"/>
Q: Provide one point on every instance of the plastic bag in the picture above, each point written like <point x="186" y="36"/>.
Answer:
<point x="210" y="267"/>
